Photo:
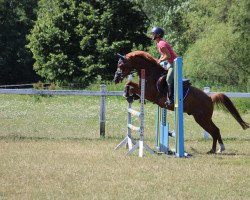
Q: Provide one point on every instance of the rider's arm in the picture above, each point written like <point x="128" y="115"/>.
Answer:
<point x="165" y="54"/>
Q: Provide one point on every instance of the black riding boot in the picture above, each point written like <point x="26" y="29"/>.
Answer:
<point x="170" y="94"/>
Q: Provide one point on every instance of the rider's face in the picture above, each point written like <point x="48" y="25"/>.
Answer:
<point x="154" y="36"/>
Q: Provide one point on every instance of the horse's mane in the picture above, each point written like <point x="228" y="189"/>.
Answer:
<point x="146" y="56"/>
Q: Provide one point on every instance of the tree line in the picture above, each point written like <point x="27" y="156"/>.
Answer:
<point x="67" y="41"/>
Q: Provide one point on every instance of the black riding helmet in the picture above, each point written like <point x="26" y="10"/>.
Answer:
<point x="158" y="31"/>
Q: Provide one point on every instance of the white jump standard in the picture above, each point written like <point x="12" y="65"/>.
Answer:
<point x="128" y="139"/>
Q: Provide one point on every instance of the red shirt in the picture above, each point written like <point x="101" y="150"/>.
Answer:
<point x="162" y="44"/>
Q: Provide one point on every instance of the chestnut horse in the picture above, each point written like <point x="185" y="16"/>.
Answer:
<point x="196" y="103"/>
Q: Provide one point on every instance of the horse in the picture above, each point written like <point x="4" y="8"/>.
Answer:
<point x="196" y="103"/>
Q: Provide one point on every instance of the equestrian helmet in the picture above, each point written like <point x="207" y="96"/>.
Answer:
<point x="159" y="31"/>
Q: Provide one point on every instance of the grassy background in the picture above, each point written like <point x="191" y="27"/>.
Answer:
<point x="50" y="149"/>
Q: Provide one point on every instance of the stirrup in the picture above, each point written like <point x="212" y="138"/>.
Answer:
<point x="169" y="102"/>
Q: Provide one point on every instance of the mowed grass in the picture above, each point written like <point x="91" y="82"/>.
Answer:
<point x="50" y="149"/>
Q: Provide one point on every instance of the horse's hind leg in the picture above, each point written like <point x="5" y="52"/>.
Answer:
<point x="213" y="130"/>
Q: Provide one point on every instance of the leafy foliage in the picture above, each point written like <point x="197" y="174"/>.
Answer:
<point x="220" y="43"/>
<point x="74" y="41"/>
<point x="168" y="14"/>
<point x="16" y="19"/>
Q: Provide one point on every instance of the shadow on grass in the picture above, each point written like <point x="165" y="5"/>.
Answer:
<point x="224" y="139"/>
<point x="224" y="154"/>
<point x="193" y="150"/>
<point x="233" y="154"/>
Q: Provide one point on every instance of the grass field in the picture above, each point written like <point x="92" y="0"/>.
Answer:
<point x="50" y="149"/>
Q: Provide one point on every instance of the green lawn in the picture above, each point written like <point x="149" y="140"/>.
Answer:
<point x="50" y="149"/>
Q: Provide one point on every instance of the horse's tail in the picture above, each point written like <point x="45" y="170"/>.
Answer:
<point x="223" y="99"/>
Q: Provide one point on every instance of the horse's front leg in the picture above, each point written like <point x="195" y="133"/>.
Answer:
<point x="132" y="91"/>
<point x="134" y="87"/>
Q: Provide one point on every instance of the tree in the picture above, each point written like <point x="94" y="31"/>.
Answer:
<point x="219" y="32"/>
<point x="168" y="14"/>
<point x="16" y="20"/>
<point x="74" y="41"/>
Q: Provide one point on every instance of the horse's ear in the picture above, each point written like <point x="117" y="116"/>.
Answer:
<point x="121" y="56"/>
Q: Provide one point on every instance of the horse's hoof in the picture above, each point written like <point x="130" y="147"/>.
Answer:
<point x="211" y="151"/>
<point x="221" y="149"/>
<point x="130" y="99"/>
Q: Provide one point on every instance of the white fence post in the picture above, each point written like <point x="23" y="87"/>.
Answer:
<point x="205" y="133"/>
<point x="103" y="110"/>
<point x="102" y="93"/>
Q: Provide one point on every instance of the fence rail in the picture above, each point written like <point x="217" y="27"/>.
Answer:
<point x="95" y="93"/>
<point x="233" y="94"/>
<point x="61" y="92"/>
<point x="102" y="93"/>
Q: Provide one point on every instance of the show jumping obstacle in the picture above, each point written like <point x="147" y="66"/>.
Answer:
<point x="161" y="132"/>
<point x="197" y="103"/>
<point x="162" y="127"/>
<point x="128" y="139"/>
<point x="178" y="108"/>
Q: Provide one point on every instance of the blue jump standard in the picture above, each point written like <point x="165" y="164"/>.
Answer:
<point x="162" y="127"/>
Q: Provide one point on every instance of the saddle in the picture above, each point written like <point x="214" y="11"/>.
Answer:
<point x="162" y="87"/>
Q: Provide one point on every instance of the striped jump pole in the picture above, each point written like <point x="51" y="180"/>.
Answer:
<point x="178" y="109"/>
<point x="131" y="112"/>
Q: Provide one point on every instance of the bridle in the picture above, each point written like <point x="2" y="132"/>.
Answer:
<point x="122" y="61"/>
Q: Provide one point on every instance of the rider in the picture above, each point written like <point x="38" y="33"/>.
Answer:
<point x="166" y="60"/>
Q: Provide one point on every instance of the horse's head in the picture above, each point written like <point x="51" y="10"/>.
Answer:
<point x="123" y="69"/>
